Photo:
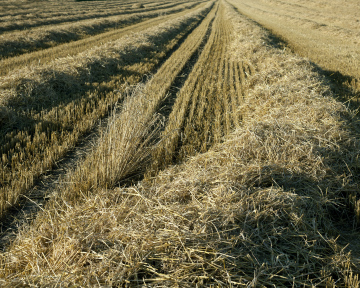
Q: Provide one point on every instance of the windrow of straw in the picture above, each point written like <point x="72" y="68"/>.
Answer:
<point x="204" y="109"/>
<point x="35" y="9"/>
<point x="44" y="56"/>
<point x="326" y="33"/>
<point x="61" y="101"/>
<point x="261" y="209"/>
<point x="25" y="22"/>
<point x="13" y="44"/>
<point x="123" y="150"/>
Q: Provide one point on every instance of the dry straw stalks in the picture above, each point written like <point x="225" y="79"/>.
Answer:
<point x="261" y="209"/>
<point x="13" y="44"/>
<point x="57" y="121"/>
<point x="328" y="33"/>
<point x="205" y="107"/>
<point x="122" y="149"/>
<point x="125" y="148"/>
<point x="68" y="13"/>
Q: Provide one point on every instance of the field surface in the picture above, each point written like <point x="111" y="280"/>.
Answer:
<point x="179" y="143"/>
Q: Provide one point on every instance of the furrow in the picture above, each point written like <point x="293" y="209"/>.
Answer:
<point x="233" y="95"/>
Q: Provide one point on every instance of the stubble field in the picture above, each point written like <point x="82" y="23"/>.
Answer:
<point x="179" y="144"/>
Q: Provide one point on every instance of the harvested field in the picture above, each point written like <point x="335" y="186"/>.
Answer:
<point x="45" y="108"/>
<point x="13" y="44"/>
<point x="44" y="56"/>
<point x="11" y="23"/>
<point x="223" y="160"/>
<point x="326" y="33"/>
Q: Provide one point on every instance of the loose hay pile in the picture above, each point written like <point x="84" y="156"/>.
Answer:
<point x="261" y="209"/>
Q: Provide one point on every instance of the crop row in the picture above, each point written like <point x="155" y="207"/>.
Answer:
<point x="16" y="43"/>
<point x="205" y="107"/>
<point x="44" y="56"/>
<point x="47" y="111"/>
<point x="269" y="199"/>
<point x="13" y="23"/>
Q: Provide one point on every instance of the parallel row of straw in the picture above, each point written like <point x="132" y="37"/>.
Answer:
<point x="27" y="21"/>
<point x="46" y="110"/>
<point x="16" y="43"/>
<point x="124" y="149"/>
<point x="44" y="56"/>
<point x="205" y="107"/>
<point x="262" y="209"/>
<point x="33" y="8"/>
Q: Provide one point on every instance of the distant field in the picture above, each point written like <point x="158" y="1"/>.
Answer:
<point x="19" y="42"/>
<point x="56" y="14"/>
<point x="179" y="143"/>
<point x="326" y="32"/>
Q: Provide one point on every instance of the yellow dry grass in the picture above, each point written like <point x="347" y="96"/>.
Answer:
<point x="264" y="208"/>
<point x="68" y="13"/>
<point x="328" y="33"/>
<point x="62" y="100"/>
<point x="19" y="42"/>
<point x="44" y="56"/>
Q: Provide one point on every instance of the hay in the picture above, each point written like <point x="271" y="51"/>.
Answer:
<point x="259" y="210"/>
<point x="37" y="87"/>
